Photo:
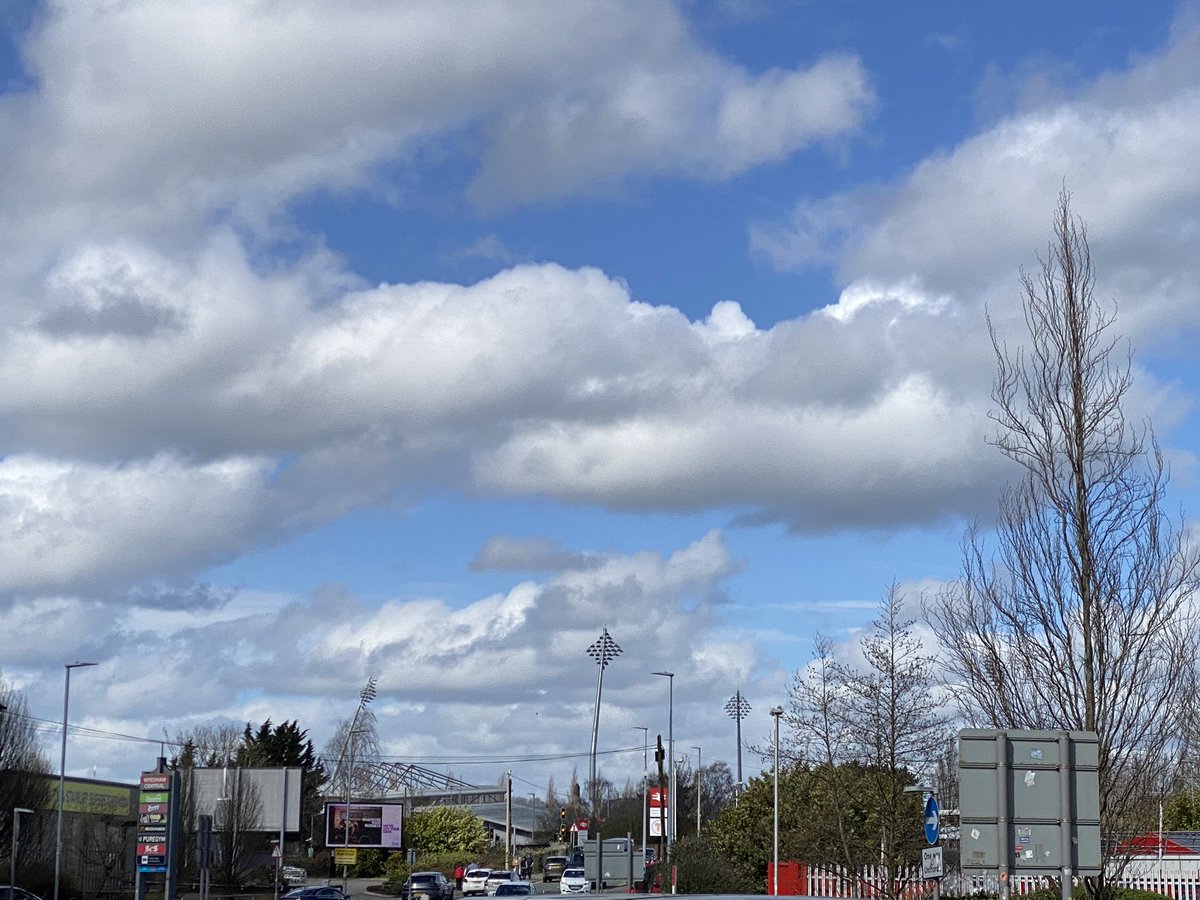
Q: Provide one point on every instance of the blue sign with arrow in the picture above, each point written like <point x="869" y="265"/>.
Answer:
<point x="933" y="820"/>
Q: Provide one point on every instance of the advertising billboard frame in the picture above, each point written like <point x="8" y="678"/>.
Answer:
<point x="374" y="824"/>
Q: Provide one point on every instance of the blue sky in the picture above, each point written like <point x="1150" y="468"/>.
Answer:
<point x="424" y="341"/>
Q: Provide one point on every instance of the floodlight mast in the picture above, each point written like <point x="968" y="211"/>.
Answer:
<point x="737" y="708"/>
<point x="365" y="696"/>
<point x="603" y="650"/>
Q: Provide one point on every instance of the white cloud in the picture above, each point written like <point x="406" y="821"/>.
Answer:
<point x="434" y="662"/>
<point x="962" y="220"/>
<point x="72" y="524"/>
<point x="155" y="116"/>
<point x="538" y="380"/>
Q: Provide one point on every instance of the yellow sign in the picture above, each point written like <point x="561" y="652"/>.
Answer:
<point x="96" y="799"/>
<point x="345" y="856"/>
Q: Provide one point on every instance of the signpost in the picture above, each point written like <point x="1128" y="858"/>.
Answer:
<point x="157" y="831"/>
<point x="933" y="821"/>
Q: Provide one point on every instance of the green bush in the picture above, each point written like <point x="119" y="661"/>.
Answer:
<point x="702" y="869"/>
<point x="369" y="865"/>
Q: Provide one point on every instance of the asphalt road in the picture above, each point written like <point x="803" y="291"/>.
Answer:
<point x="358" y="888"/>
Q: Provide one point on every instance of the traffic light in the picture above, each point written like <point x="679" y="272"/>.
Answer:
<point x="562" y="826"/>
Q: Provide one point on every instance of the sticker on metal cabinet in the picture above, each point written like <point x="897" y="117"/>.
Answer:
<point x="1030" y="778"/>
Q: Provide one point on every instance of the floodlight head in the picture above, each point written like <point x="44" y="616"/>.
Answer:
<point x="604" y="649"/>
<point x="777" y="711"/>
<point x="367" y="694"/>
<point x="737" y="707"/>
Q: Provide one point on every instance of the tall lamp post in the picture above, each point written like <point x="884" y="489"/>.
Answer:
<point x="699" y="766"/>
<point x="16" y="840"/>
<point x="603" y="650"/>
<point x="365" y="696"/>
<point x="737" y="709"/>
<point x="670" y="676"/>
<point x="776" y="714"/>
<point x="645" y="730"/>
<point x="62" y="773"/>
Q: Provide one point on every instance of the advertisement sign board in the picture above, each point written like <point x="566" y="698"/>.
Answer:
<point x="376" y="825"/>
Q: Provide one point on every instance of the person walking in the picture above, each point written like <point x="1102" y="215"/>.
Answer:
<point x="459" y="872"/>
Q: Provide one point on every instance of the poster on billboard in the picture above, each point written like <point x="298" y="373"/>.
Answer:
<point x="371" y="825"/>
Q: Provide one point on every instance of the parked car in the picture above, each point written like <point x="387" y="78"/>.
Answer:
<point x="427" y="886"/>
<point x="316" y="893"/>
<point x="495" y="878"/>
<point x="574" y="881"/>
<point x="16" y="893"/>
<point x="514" y="889"/>
<point x="475" y="882"/>
<point x="552" y="867"/>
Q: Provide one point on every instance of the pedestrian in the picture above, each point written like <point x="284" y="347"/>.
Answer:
<point x="459" y="872"/>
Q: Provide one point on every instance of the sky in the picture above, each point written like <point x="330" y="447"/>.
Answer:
<point x="425" y="341"/>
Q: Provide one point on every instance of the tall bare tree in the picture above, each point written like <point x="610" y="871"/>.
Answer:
<point x="1078" y="617"/>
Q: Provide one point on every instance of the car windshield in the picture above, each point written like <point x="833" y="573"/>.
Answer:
<point x="502" y="875"/>
<point x="573" y="873"/>
<point x="513" y="890"/>
<point x="479" y="873"/>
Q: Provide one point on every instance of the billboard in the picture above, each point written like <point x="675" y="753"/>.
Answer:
<point x="371" y="825"/>
<point x="277" y="794"/>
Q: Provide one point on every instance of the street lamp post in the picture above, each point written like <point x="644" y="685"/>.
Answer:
<point x="737" y="708"/>
<point x="776" y="713"/>
<point x="62" y="773"/>
<point x="603" y="650"/>
<point x="699" y="766"/>
<point x="645" y="730"/>
<point x="670" y="676"/>
<point x="12" y="850"/>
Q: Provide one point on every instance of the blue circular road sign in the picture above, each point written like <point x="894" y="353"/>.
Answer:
<point x="933" y="820"/>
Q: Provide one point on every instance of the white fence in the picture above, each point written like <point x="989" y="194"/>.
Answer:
<point x="870" y="882"/>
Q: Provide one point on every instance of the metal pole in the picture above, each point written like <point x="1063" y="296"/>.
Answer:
<point x="645" y="729"/>
<point x="670" y="676"/>
<point x="776" y="713"/>
<point x="62" y="773"/>
<point x="346" y="817"/>
<point x="699" y="766"/>
<point x="508" y="829"/>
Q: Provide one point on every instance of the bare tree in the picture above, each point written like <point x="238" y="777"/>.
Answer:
<point x="870" y="731"/>
<point x="238" y="816"/>
<point x="363" y="730"/>
<point x="23" y="770"/>
<point x="1079" y="618"/>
